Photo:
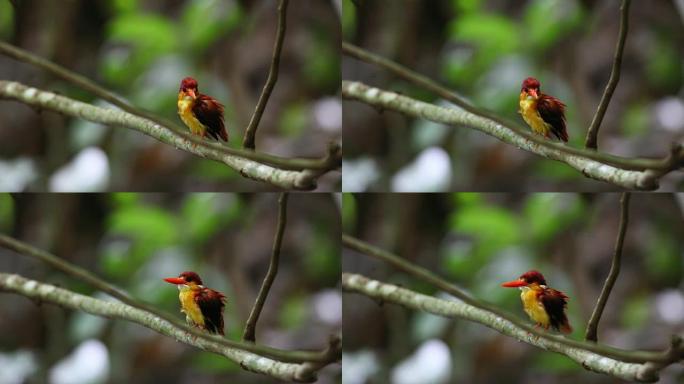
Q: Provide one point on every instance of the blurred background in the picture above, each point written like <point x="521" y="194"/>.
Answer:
<point x="141" y="49"/>
<point x="478" y="241"/>
<point x="483" y="49"/>
<point x="133" y="241"/>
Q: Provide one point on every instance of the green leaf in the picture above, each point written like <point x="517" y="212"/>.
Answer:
<point x="212" y="363"/>
<point x="635" y="121"/>
<point x="6" y="212"/>
<point x="555" y="363"/>
<point x="294" y="119"/>
<point x="201" y="216"/>
<point x="635" y="311"/>
<point x="492" y="35"/>
<point x="546" y="21"/>
<point x="348" y="19"/>
<point x="546" y="214"/>
<point x="6" y="20"/>
<point x="348" y="212"/>
<point x="493" y="227"/>
<point x="294" y="312"/>
<point x="205" y="21"/>
<point x="555" y="170"/>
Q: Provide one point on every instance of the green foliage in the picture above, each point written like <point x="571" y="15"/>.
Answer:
<point x="6" y="20"/>
<point x="490" y="229"/>
<point x="202" y="217"/>
<point x="664" y="64"/>
<point x="294" y="119"/>
<point x="148" y="228"/>
<point x="555" y="170"/>
<point x="466" y="6"/>
<point x="554" y="363"/>
<point x="546" y="214"/>
<point x="664" y="263"/>
<point x="213" y="170"/>
<point x="348" y="212"/>
<point x="212" y="363"/>
<point x="6" y="212"/>
<point x="491" y="36"/>
<point x="322" y="61"/>
<point x="148" y="36"/>
<point x="125" y="6"/>
<point x="348" y="19"/>
<point x="635" y="120"/>
<point x="321" y="261"/>
<point x="205" y="21"/>
<point x="294" y="311"/>
<point x="635" y="311"/>
<point x="546" y="21"/>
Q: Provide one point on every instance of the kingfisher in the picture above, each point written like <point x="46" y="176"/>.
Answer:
<point x="201" y="113"/>
<point x="203" y="307"/>
<point x="543" y="113"/>
<point x="546" y="306"/>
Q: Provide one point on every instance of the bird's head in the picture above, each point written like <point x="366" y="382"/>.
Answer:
<point x="188" y="278"/>
<point x="526" y="279"/>
<point x="530" y="86"/>
<point x="188" y="87"/>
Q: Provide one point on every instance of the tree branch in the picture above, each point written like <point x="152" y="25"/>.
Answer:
<point x="592" y="326"/>
<point x="644" y="372"/>
<point x="94" y="281"/>
<point x="323" y="164"/>
<point x="249" y="141"/>
<point x="250" y="326"/>
<point x="447" y="94"/>
<point x="431" y="278"/>
<point x="114" y="310"/>
<point x="591" y="140"/>
<point x="646" y="179"/>
<point x="282" y="178"/>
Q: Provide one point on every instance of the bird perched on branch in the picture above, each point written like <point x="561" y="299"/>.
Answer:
<point x="203" y="307"/>
<point x="543" y="113"/>
<point x="201" y="113"/>
<point x="546" y="306"/>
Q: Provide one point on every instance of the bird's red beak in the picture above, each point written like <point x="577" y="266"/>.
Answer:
<point x="191" y="92"/>
<point x="514" y="283"/>
<point x="533" y="92"/>
<point x="175" y="280"/>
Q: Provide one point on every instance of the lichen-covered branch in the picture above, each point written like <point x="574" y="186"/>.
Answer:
<point x="592" y="326"/>
<point x="632" y="356"/>
<point x="249" y="141"/>
<point x="591" y="140"/>
<point x="94" y="281"/>
<point x="116" y="310"/>
<point x="282" y="178"/>
<point x="626" y="178"/>
<point x="250" y="327"/>
<point x="388" y="293"/>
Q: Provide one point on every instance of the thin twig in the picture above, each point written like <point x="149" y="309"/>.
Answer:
<point x="643" y="371"/>
<point x="645" y="179"/>
<point x="592" y="134"/>
<point x="279" y="177"/>
<point x="100" y="284"/>
<point x="446" y="94"/>
<point x="431" y="278"/>
<point x="592" y="326"/>
<point x="249" y="333"/>
<point x="104" y="94"/>
<point x="249" y="141"/>
<point x="114" y="310"/>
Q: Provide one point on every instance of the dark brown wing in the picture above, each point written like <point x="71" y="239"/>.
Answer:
<point x="555" y="303"/>
<point x="210" y="113"/>
<point x="552" y="111"/>
<point x="211" y="304"/>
